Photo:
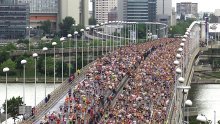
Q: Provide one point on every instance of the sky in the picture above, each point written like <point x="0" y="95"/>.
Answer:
<point x="203" y="5"/>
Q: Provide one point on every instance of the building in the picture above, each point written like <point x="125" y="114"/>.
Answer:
<point x="185" y="8"/>
<point x="137" y="10"/>
<point x="102" y="9"/>
<point x="113" y="15"/>
<point x="164" y="11"/>
<point x="78" y="9"/>
<point x="14" y="18"/>
<point x="173" y="17"/>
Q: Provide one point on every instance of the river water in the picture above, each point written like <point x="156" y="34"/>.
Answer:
<point x="206" y="97"/>
<point x="16" y="89"/>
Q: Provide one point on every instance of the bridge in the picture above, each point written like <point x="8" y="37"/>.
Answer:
<point x="192" y="40"/>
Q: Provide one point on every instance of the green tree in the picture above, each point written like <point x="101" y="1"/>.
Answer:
<point x="30" y="65"/>
<point x="41" y="65"/>
<point x="59" y="68"/>
<point x="46" y="26"/>
<point x="10" y="64"/>
<point x="9" y="47"/>
<point x="13" y="106"/>
<point x="92" y="21"/>
<point x="66" y="25"/>
<point x="4" y="55"/>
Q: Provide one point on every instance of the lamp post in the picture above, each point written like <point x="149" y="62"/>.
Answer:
<point x="106" y="38"/>
<point x="54" y="69"/>
<point x="102" y="36"/>
<point x="23" y="62"/>
<point x="75" y="35"/>
<point x="97" y="25"/>
<point x="45" y="71"/>
<point x="202" y="118"/>
<point x="69" y="36"/>
<point x="185" y="90"/>
<point x="5" y="70"/>
<point x="62" y="40"/>
<point x="87" y="30"/>
<point x="93" y="41"/>
<point x="188" y="103"/>
<point x="110" y="49"/>
<point x="35" y="77"/>
<point x="29" y="36"/>
<point x="82" y="31"/>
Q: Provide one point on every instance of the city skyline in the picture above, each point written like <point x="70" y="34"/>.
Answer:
<point x="204" y="6"/>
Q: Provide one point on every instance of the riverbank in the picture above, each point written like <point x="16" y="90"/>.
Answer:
<point x="31" y="80"/>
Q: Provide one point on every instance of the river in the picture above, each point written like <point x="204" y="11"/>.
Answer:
<point x="206" y="97"/>
<point x="16" y="89"/>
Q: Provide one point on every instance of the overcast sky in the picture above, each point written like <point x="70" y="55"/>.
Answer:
<point x="203" y="5"/>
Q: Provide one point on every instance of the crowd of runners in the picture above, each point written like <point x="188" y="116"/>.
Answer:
<point x="132" y="85"/>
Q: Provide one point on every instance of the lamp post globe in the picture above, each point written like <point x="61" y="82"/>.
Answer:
<point x="182" y="45"/>
<point x="69" y="35"/>
<point x="181" y="79"/>
<point x="176" y="62"/>
<point x="178" y="71"/>
<point x="178" y="56"/>
<point x="180" y="50"/>
<point x="184" y="39"/>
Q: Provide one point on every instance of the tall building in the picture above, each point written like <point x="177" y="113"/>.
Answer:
<point x="187" y="8"/>
<point x="14" y="18"/>
<point x="137" y="10"/>
<point x="78" y="9"/>
<point x="102" y="9"/>
<point x="164" y="11"/>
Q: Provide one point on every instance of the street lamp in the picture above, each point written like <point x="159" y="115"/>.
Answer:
<point x="75" y="34"/>
<point x="35" y="79"/>
<point x="54" y="71"/>
<point x="110" y="35"/>
<point x="188" y="103"/>
<point x="82" y="31"/>
<point x="62" y="40"/>
<point x="69" y="36"/>
<point x="102" y="35"/>
<point x="97" y="25"/>
<point x="203" y="118"/>
<point x="45" y="71"/>
<point x="93" y="28"/>
<point x="6" y="69"/>
<point x="87" y="30"/>
<point x="23" y="62"/>
<point x="29" y="36"/>
<point x="185" y="90"/>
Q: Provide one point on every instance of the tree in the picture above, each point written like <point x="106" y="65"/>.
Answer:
<point x="10" y="64"/>
<point x="213" y="18"/>
<point x="4" y="55"/>
<point x="13" y="106"/>
<point x="46" y="26"/>
<point x="59" y="68"/>
<point x="92" y="21"/>
<point x="66" y="25"/>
